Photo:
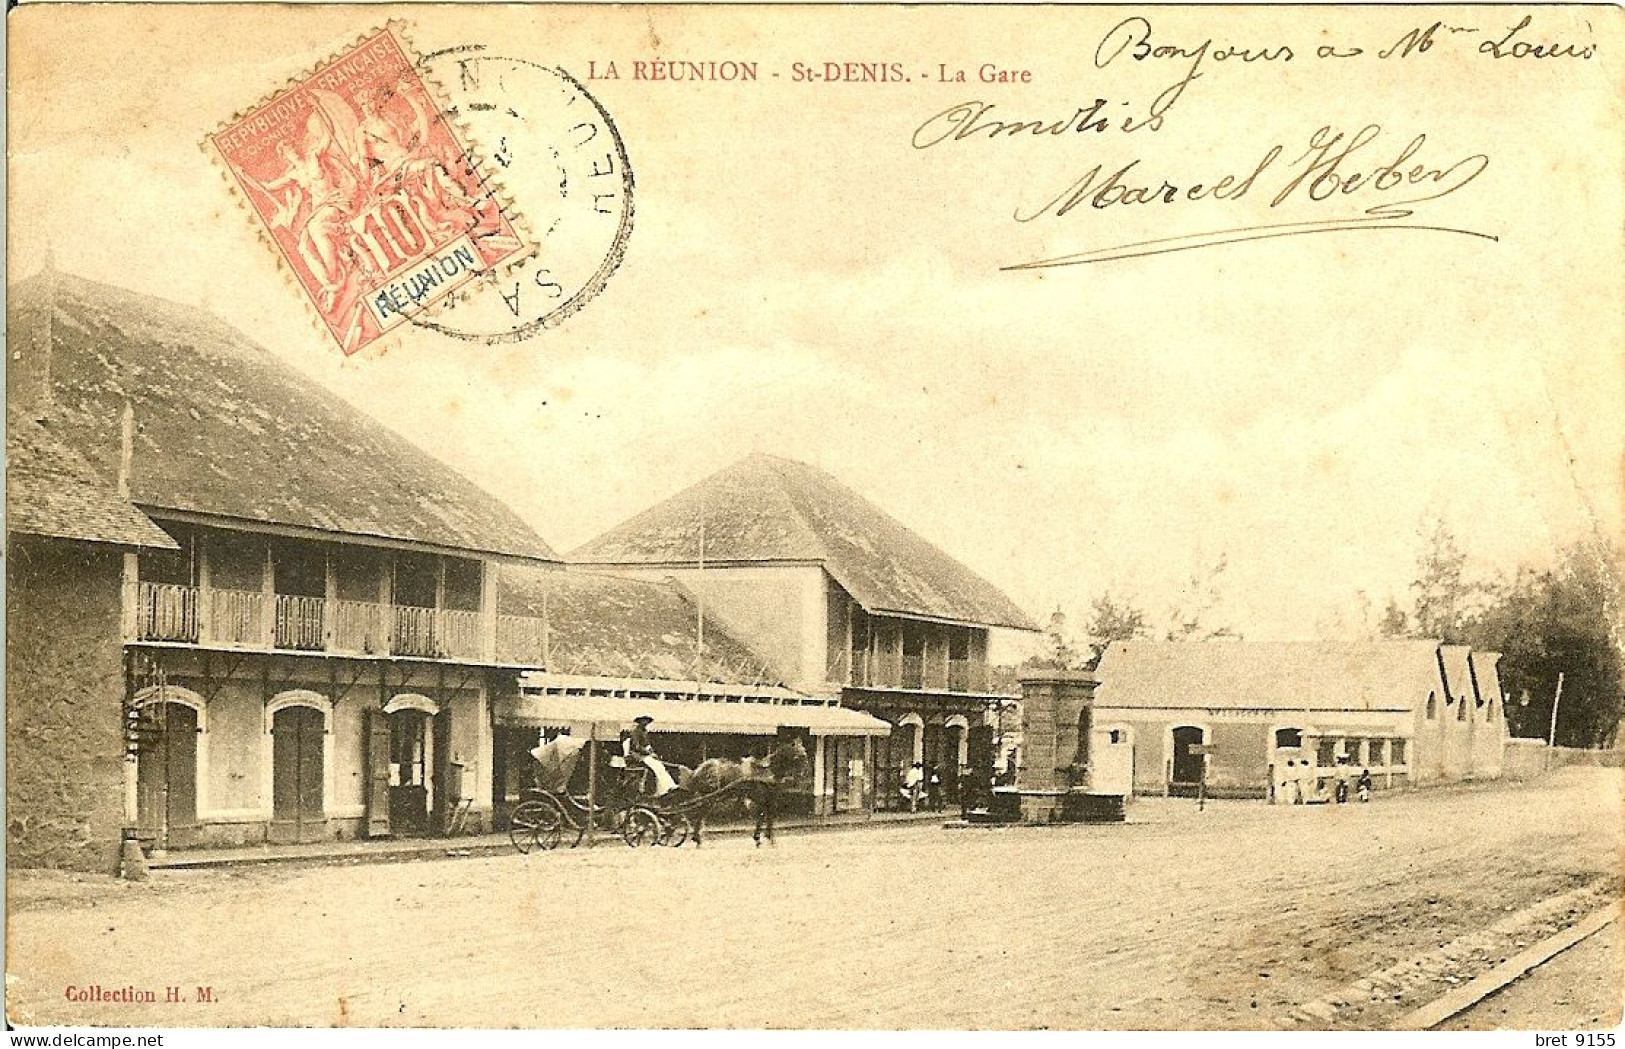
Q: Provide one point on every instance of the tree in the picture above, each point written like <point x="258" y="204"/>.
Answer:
<point x="1394" y="621"/>
<point x="1192" y="618"/>
<point x="1544" y="622"/>
<point x="1560" y="620"/>
<point x="1442" y="598"/>
<point x="1062" y="653"/>
<point x="1114" y="619"/>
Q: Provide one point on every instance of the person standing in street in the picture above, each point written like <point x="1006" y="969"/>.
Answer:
<point x="913" y="780"/>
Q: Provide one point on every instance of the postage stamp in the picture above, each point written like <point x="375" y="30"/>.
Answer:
<point x="369" y="194"/>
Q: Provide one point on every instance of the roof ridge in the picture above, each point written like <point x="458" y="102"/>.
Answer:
<point x="785" y="491"/>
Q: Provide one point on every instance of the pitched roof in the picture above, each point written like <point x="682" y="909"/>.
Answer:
<point x="1266" y="675"/>
<point x="1458" y="680"/>
<point x="609" y="626"/>
<point x="224" y="427"/>
<point x="1487" y="672"/>
<point x="52" y="491"/>
<point x="766" y="509"/>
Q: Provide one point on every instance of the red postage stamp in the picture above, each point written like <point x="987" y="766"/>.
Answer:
<point x="367" y="191"/>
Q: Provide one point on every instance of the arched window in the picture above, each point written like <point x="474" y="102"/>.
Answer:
<point x="1461" y="709"/>
<point x="1489" y="709"/>
<point x="1433" y="706"/>
<point x="1288" y="737"/>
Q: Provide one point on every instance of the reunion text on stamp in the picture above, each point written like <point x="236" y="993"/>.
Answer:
<point x="367" y="191"/>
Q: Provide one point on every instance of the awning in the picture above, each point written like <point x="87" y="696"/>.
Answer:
<point x="735" y="717"/>
<point x="655" y="688"/>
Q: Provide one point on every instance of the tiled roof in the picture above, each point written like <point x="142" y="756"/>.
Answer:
<point x="1265" y="675"/>
<point x="614" y="627"/>
<point x="52" y="491"/>
<point x="768" y="509"/>
<point x="224" y="427"/>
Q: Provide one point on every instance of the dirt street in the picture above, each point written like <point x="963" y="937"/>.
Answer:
<point x="1581" y="989"/>
<point x="1234" y="918"/>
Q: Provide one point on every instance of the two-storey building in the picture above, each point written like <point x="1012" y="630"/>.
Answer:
<point x="843" y="601"/>
<point x="310" y="645"/>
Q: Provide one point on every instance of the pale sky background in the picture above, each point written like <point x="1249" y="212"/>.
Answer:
<point x="800" y="281"/>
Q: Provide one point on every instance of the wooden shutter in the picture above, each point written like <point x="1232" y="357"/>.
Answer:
<point x="441" y="727"/>
<point x="377" y="724"/>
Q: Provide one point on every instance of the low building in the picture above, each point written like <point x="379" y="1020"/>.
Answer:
<point x="620" y="648"/>
<point x="843" y="602"/>
<point x="1170" y="716"/>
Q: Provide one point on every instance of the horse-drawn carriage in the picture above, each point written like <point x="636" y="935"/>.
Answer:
<point x="623" y="799"/>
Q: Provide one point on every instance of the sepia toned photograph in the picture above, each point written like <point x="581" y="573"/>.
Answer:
<point x="815" y="517"/>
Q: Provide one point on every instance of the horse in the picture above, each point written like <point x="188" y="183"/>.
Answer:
<point x="757" y="782"/>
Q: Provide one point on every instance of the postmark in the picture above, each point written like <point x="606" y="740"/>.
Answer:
<point x="557" y="149"/>
<point x="368" y="192"/>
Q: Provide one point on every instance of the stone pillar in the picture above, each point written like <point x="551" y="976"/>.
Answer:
<point x="1057" y="713"/>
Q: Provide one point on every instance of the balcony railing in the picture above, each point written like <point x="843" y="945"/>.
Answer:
<point x="287" y="622"/>
<point x="913" y="672"/>
<point x="893" y="670"/>
<point x="966" y="675"/>
<point x="359" y="626"/>
<point x="236" y="617"/>
<point x="301" y="623"/>
<point x="168" y="612"/>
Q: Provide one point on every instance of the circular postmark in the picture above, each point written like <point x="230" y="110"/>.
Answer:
<point x="558" y="157"/>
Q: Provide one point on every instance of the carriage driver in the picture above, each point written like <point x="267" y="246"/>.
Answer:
<point x="640" y="749"/>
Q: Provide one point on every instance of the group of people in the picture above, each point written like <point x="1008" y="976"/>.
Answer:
<point x="1298" y="782"/>
<point x="922" y="784"/>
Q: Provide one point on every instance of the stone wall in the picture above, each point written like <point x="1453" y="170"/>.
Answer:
<point x="64" y="705"/>
<point x="1530" y="758"/>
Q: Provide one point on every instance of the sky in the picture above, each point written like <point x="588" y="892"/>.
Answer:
<point x="801" y="280"/>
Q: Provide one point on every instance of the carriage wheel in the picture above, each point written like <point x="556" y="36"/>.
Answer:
<point x="536" y="825"/>
<point x="642" y="827"/>
<point x="676" y="829"/>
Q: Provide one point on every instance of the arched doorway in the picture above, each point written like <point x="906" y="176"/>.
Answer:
<point x="298" y="774"/>
<point x="410" y="760"/>
<point x="412" y="732"/>
<point x="167" y="767"/>
<point x="1186" y="764"/>
<point x="894" y="754"/>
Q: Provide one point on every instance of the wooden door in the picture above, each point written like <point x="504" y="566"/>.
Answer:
<point x="298" y="811"/>
<point x="377" y="758"/>
<point x="1186" y="771"/>
<point x="166" y="776"/>
<point x="981" y="755"/>
<point x="408" y="772"/>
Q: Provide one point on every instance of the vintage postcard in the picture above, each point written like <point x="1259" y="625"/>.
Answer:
<point x="887" y="517"/>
